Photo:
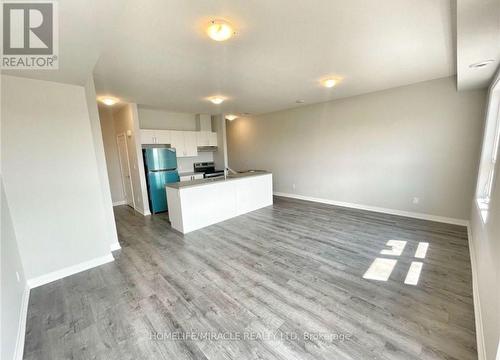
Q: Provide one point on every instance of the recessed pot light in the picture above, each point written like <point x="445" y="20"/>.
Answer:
<point x="217" y="100"/>
<point x="481" y="63"/>
<point x="329" y="83"/>
<point x="109" y="101"/>
<point x="231" y="117"/>
<point x="220" y="30"/>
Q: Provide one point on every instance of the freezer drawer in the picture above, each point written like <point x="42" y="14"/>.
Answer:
<point x="157" y="180"/>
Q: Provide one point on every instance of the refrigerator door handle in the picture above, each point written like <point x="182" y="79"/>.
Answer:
<point x="161" y="170"/>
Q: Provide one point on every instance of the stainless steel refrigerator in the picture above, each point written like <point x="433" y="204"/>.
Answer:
<point x="161" y="169"/>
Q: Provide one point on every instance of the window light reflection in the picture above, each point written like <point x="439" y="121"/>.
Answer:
<point x="397" y="247"/>
<point x="421" y="250"/>
<point x="380" y="269"/>
<point x="414" y="273"/>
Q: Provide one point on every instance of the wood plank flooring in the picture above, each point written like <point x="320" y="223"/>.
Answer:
<point x="283" y="282"/>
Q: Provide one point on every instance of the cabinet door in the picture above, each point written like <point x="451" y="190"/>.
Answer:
<point x="212" y="139"/>
<point x="163" y="136"/>
<point x="177" y="142"/>
<point x="191" y="147"/>
<point x="202" y="138"/>
<point x="148" y="137"/>
<point x="186" y="178"/>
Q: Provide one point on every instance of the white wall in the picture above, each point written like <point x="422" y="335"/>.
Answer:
<point x="51" y="175"/>
<point x="485" y="249"/>
<point x="13" y="290"/>
<point x="220" y="157"/>
<point x="95" y="127"/>
<point x="111" y="151"/>
<point x="166" y="120"/>
<point x="185" y="164"/>
<point x="380" y="149"/>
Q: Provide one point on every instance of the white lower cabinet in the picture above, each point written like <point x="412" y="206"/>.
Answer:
<point x="191" y="177"/>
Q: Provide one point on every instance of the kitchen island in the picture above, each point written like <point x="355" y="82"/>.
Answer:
<point x="195" y="204"/>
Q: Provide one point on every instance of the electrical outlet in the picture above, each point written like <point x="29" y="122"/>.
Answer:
<point x="293" y="186"/>
<point x="416" y="200"/>
<point x="18" y="277"/>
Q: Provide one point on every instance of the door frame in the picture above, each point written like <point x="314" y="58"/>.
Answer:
<point x="124" y="135"/>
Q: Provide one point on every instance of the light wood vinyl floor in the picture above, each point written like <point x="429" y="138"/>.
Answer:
<point x="283" y="282"/>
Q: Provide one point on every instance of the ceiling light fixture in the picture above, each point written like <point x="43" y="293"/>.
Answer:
<point x="329" y="83"/>
<point x="231" y="117"/>
<point x="300" y="101"/>
<point x="109" y="101"/>
<point x="217" y="100"/>
<point x="481" y="64"/>
<point x="220" y="30"/>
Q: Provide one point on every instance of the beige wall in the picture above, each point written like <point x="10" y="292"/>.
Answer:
<point x="111" y="151"/>
<point x="51" y="175"/>
<point x="380" y="149"/>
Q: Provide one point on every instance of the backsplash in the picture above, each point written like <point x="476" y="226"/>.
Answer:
<point x="185" y="164"/>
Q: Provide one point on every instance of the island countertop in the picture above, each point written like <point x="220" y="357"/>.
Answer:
<point x="195" y="204"/>
<point x="200" y="182"/>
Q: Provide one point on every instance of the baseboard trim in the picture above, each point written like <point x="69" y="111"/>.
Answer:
<point x="115" y="246"/>
<point x="59" y="274"/>
<point x="121" y="202"/>
<point x="478" y="315"/>
<point x="410" y="214"/>
<point x="21" y="330"/>
<point x="142" y="212"/>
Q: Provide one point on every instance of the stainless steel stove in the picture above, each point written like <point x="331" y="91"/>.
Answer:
<point x="208" y="168"/>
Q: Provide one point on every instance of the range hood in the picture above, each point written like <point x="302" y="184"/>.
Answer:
<point x="207" y="148"/>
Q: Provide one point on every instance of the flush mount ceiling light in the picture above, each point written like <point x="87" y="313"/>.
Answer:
<point x="220" y="30"/>
<point x="329" y="83"/>
<point x="481" y="64"/>
<point x="300" y="101"/>
<point x="231" y="117"/>
<point x="109" y="101"/>
<point x="217" y="100"/>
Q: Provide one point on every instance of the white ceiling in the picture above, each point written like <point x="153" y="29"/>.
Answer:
<point x="161" y="57"/>
<point x="478" y="39"/>
<point x="155" y="52"/>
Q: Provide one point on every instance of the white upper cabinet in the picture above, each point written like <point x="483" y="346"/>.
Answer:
<point x="202" y="138"/>
<point x="206" y="138"/>
<point x="177" y="142"/>
<point x="163" y="136"/>
<point x="190" y="145"/>
<point x="212" y="139"/>
<point x="184" y="143"/>
<point x="148" y="136"/>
